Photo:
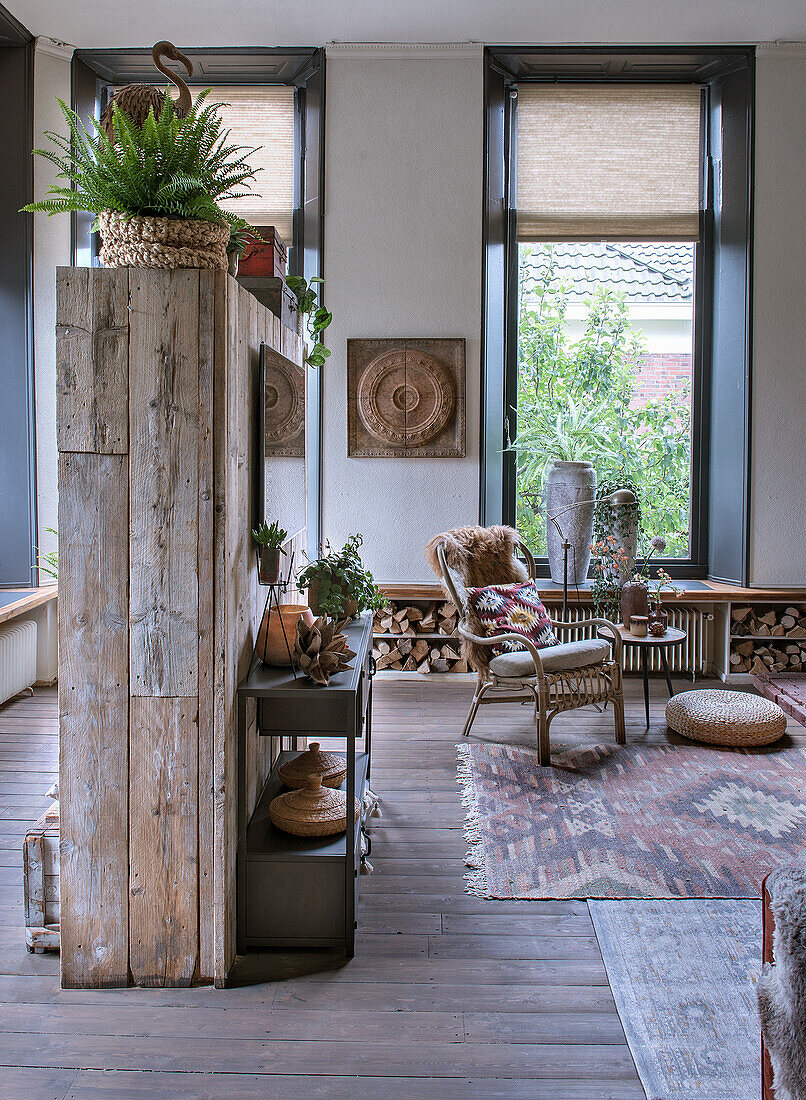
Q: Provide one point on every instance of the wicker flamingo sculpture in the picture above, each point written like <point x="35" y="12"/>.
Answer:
<point x="137" y="99"/>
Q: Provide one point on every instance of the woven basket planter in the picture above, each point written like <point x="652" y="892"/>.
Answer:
<point x="162" y="242"/>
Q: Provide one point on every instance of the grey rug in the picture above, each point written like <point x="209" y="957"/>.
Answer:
<point x="684" y="973"/>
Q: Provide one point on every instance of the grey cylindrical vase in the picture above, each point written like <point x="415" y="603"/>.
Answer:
<point x="568" y="483"/>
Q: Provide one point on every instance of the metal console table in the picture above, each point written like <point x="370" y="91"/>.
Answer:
<point x="303" y="891"/>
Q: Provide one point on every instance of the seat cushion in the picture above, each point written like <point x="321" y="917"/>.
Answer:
<point x="725" y="717"/>
<point x="512" y="609"/>
<point x="559" y="658"/>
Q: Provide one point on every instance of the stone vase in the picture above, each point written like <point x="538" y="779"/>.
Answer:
<point x="568" y="483"/>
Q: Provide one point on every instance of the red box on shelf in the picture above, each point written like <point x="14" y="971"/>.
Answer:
<point x="264" y="258"/>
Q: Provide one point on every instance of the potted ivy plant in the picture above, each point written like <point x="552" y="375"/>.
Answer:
<point x="338" y="584"/>
<point x="270" y="539"/>
<point x="316" y="317"/>
<point x="155" y="188"/>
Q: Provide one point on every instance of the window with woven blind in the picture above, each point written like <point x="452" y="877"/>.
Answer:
<point x="608" y="162"/>
<point x="263" y="115"/>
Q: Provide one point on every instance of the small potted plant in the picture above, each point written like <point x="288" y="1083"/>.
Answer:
<point x="270" y="541"/>
<point x="338" y="584"/>
<point x="317" y="318"/>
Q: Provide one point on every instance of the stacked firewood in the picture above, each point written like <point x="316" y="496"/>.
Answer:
<point x="435" y="618"/>
<point x="786" y="629"/>
<point x="418" y="655"/>
<point x="411" y="638"/>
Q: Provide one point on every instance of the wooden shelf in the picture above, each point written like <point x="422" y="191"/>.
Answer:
<point x="265" y="842"/>
<point x="15" y="602"/>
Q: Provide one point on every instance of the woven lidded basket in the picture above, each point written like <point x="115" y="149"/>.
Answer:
<point x="329" y="766"/>
<point x="162" y="242"/>
<point x="725" y="718"/>
<point x="312" y="811"/>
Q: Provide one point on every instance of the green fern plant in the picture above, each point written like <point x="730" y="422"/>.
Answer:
<point x="169" y="167"/>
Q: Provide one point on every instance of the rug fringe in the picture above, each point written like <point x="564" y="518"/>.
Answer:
<point x="475" y="876"/>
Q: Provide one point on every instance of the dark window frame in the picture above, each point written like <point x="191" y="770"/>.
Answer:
<point x="18" y="486"/>
<point x="303" y="68"/>
<point x="716" y="490"/>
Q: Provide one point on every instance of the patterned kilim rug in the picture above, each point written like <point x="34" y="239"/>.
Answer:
<point x="683" y="975"/>
<point x="666" y="821"/>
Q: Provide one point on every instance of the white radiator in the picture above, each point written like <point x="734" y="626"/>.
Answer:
<point x="17" y="658"/>
<point x="693" y="656"/>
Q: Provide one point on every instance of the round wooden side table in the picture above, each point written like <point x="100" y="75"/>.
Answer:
<point x="673" y="636"/>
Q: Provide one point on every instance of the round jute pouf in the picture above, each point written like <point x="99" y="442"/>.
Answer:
<point x="312" y="811"/>
<point x="329" y="766"/>
<point x="725" y="718"/>
<point x="162" y="242"/>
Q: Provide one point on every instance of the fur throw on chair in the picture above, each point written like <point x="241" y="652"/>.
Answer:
<point x="782" y="986"/>
<point x="477" y="556"/>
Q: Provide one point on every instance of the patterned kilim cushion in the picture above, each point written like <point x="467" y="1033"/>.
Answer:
<point x="512" y="609"/>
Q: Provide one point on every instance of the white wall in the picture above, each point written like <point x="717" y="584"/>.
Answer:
<point x="778" y="481"/>
<point x="51" y="250"/>
<point x="402" y="258"/>
<point x="308" y="22"/>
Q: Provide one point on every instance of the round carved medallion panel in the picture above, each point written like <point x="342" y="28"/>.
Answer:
<point x="284" y="406"/>
<point x="405" y="397"/>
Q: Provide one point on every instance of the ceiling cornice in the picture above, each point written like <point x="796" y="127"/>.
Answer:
<point x="53" y="48"/>
<point x="785" y="50"/>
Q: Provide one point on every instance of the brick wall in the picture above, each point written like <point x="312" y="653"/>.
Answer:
<point x="659" y="375"/>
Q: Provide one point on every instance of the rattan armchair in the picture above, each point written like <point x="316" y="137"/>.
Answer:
<point x="556" y="679"/>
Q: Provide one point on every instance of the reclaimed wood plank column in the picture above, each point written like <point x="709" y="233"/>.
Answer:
<point x="158" y="606"/>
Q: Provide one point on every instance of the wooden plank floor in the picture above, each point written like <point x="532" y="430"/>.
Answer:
<point x="449" y="995"/>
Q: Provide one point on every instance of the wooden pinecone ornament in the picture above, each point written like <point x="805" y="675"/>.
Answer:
<point x="320" y="650"/>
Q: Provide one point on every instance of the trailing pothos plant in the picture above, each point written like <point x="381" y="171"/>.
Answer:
<point x="341" y="577"/>
<point x="317" y="318"/>
<point x="168" y="167"/>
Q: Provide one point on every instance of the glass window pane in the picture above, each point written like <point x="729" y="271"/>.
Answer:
<point x="605" y="361"/>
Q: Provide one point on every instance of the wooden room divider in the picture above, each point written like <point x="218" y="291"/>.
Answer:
<point x="158" y="606"/>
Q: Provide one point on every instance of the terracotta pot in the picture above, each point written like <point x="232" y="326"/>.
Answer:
<point x="268" y="569"/>
<point x="634" y="601"/>
<point x="349" y="608"/>
<point x="271" y="645"/>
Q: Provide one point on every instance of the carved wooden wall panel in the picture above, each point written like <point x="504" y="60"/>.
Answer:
<point x="406" y="398"/>
<point x="283" y="406"/>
